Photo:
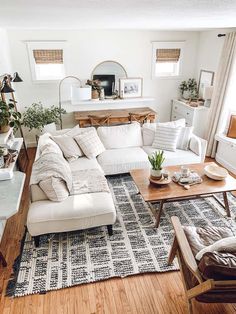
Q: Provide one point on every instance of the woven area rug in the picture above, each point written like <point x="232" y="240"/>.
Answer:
<point x="73" y="258"/>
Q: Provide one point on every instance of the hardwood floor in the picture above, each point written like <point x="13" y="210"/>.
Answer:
<point x="148" y="293"/>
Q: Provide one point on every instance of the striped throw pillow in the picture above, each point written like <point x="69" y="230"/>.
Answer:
<point x="166" y="137"/>
<point x="184" y="137"/>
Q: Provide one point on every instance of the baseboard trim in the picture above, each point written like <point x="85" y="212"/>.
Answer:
<point x="225" y="164"/>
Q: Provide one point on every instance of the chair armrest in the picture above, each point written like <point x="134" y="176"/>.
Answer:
<point x="198" y="145"/>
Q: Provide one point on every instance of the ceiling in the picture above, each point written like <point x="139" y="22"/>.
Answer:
<point x="118" y="14"/>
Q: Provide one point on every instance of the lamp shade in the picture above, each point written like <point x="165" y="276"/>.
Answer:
<point x="207" y="92"/>
<point x="6" y="88"/>
<point x="17" y="78"/>
<point x="80" y="94"/>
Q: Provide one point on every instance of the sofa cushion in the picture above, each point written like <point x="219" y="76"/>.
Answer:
<point x="68" y="146"/>
<point x="148" y="130"/>
<point x="76" y="212"/>
<point x="45" y="142"/>
<point x="179" y="157"/>
<point x="90" y="143"/>
<point x="83" y="163"/>
<point x="114" y="161"/>
<point x="121" y="136"/>
<point x="166" y="137"/>
<point x="54" y="188"/>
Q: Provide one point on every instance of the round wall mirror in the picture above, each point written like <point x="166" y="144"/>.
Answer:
<point x="109" y="72"/>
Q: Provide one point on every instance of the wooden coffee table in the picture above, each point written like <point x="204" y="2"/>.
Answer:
<point x="175" y="192"/>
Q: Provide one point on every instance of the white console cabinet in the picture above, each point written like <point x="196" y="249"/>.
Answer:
<point x="194" y="116"/>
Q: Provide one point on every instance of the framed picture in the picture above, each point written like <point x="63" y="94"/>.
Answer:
<point x="206" y="79"/>
<point x="131" y="87"/>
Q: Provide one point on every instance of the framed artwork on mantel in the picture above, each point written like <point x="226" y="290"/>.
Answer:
<point x="131" y="87"/>
<point x="206" y="79"/>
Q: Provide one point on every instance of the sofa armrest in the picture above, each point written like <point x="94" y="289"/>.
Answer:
<point x="198" y="146"/>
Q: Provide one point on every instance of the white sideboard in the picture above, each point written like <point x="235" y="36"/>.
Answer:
<point x="195" y="116"/>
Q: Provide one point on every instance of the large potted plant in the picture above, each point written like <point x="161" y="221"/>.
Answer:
<point x="188" y="89"/>
<point x="40" y="118"/>
<point x="156" y="160"/>
<point x="9" y="118"/>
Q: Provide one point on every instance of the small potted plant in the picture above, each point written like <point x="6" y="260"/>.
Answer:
<point x="156" y="160"/>
<point x="9" y="118"/>
<point x="1" y="157"/>
<point x="96" y="88"/>
<point x="40" y="118"/>
<point x="188" y="89"/>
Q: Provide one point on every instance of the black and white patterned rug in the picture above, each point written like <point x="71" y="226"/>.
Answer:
<point x="73" y="258"/>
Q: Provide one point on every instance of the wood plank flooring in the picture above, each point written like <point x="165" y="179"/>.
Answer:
<point x="148" y="293"/>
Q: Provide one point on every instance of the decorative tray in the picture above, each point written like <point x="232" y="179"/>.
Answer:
<point x="161" y="181"/>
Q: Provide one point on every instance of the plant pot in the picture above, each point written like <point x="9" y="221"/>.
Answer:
<point x="95" y="94"/>
<point x="4" y="128"/>
<point x="156" y="174"/>
<point x="49" y="128"/>
<point x="1" y="161"/>
<point x="186" y="94"/>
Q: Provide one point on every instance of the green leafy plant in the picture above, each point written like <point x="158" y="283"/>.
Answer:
<point x="156" y="160"/>
<point x="36" y="116"/>
<point x="8" y="115"/>
<point x="190" y="86"/>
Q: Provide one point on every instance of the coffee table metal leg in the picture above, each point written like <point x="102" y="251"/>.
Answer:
<point x="226" y="204"/>
<point x="158" y="216"/>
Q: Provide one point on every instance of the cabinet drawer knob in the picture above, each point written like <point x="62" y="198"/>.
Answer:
<point x="187" y="113"/>
<point x="176" y="107"/>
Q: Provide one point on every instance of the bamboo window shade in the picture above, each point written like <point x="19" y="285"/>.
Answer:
<point x="48" y="56"/>
<point x="167" y="55"/>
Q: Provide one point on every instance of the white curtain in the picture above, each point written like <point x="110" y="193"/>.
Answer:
<point x="220" y="91"/>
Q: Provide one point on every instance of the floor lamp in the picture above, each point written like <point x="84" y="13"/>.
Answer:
<point x="60" y="84"/>
<point x="6" y="88"/>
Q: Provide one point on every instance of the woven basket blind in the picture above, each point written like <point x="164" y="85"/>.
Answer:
<point x="167" y="55"/>
<point x="48" y="56"/>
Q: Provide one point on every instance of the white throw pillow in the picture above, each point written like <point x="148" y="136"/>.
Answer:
<point x="148" y="129"/>
<point x="121" y="136"/>
<point x="166" y="137"/>
<point x="90" y="143"/>
<point x="222" y="245"/>
<point x="68" y="145"/>
<point x="184" y="138"/>
<point x="195" y="145"/>
<point x="55" y="189"/>
<point x="45" y="142"/>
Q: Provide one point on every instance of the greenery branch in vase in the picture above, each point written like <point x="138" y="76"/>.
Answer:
<point x="96" y="88"/>
<point x="9" y="118"/>
<point x="188" y="89"/>
<point x="38" y="117"/>
<point x="156" y="160"/>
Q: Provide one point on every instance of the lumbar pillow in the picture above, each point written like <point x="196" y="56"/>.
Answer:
<point x="184" y="137"/>
<point x="166" y="137"/>
<point x="222" y="245"/>
<point x="121" y="136"/>
<point x="90" y="143"/>
<point x="55" y="189"/>
<point x="68" y="145"/>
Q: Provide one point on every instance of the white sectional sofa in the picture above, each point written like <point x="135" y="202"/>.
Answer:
<point x="126" y="148"/>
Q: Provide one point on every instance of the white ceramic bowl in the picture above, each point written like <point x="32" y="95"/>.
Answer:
<point x="215" y="172"/>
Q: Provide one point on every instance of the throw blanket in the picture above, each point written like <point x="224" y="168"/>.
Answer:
<point x="88" y="181"/>
<point x="51" y="165"/>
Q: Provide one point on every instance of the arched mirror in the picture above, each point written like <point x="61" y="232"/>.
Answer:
<point x="109" y="73"/>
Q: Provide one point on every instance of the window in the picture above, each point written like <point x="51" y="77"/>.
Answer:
<point x="47" y="60"/>
<point x="167" y="59"/>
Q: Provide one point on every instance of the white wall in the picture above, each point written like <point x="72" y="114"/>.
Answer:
<point x="5" y="63"/>
<point x="133" y="49"/>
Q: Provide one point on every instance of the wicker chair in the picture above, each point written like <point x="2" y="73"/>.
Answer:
<point x="196" y="286"/>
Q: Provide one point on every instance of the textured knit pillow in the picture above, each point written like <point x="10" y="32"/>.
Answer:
<point x="69" y="147"/>
<point x="166" y="137"/>
<point x="55" y="189"/>
<point x="90" y="143"/>
<point x="184" y="138"/>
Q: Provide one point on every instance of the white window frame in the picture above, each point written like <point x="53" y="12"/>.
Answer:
<point x="34" y="45"/>
<point x="167" y="45"/>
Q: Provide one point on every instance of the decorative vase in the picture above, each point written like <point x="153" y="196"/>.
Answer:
<point x="49" y="128"/>
<point x="186" y="94"/>
<point x="156" y="174"/>
<point x="1" y="162"/>
<point x="95" y="94"/>
<point x="102" y="94"/>
<point x="4" y="128"/>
